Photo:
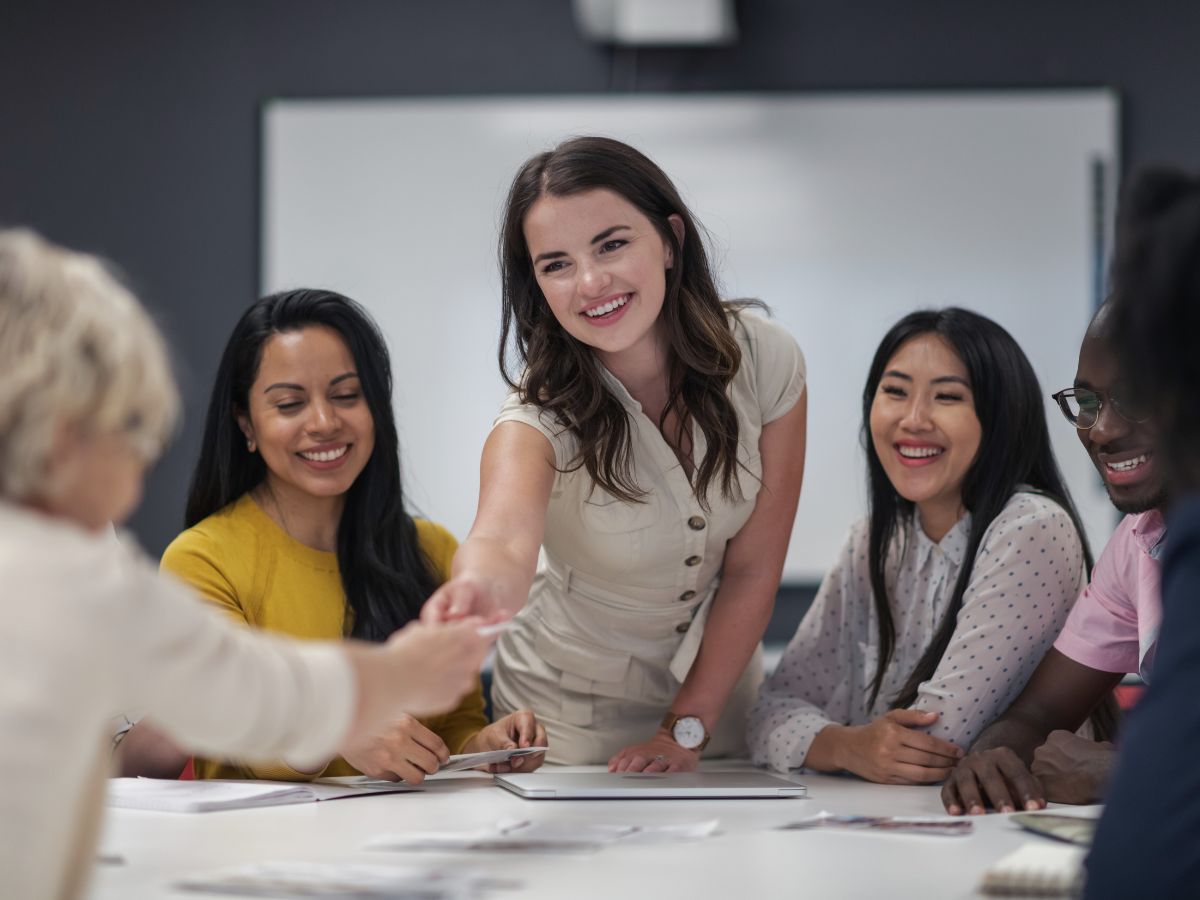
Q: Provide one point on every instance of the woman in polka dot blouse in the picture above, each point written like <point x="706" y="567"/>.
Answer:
<point x="945" y="598"/>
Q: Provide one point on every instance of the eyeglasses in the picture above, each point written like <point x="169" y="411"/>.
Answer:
<point x="1081" y="406"/>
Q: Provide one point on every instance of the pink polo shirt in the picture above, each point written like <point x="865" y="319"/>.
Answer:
<point x="1114" y="624"/>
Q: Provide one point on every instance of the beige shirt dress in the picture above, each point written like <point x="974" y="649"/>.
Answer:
<point x="617" y="609"/>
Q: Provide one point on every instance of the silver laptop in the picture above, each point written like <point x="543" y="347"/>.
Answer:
<point x="549" y="785"/>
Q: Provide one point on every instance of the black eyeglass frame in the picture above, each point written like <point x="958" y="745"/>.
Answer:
<point x="1102" y="397"/>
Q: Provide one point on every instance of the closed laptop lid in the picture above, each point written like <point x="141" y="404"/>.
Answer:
<point x="550" y="785"/>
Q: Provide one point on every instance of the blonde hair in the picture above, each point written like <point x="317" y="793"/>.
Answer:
<point x="77" y="350"/>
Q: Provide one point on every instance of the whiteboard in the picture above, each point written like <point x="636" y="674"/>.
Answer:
<point x="841" y="212"/>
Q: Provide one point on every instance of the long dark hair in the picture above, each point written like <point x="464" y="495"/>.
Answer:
<point x="562" y="375"/>
<point x="1156" y="316"/>
<point x="1014" y="450"/>
<point x="384" y="572"/>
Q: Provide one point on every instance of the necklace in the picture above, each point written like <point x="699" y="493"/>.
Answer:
<point x="264" y="492"/>
<point x="267" y="492"/>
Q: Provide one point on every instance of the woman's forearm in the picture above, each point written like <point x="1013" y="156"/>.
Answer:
<point x="739" y="616"/>
<point x="825" y="751"/>
<point x="502" y="569"/>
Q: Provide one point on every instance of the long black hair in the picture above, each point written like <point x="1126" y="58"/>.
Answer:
<point x="1014" y="451"/>
<point x="384" y="572"/>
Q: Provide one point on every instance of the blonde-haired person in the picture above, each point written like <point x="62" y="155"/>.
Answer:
<point x="89" y="627"/>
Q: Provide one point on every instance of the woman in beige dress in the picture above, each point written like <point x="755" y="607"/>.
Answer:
<point x="639" y="486"/>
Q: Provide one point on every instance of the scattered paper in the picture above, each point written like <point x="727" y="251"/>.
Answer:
<point x="545" y="837"/>
<point x="939" y="825"/>
<point x="337" y="880"/>
<point x="667" y="834"/>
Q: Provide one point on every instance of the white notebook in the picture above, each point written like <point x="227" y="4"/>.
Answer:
<point x="1037" y="869"/>
<point x="171" y="795"/>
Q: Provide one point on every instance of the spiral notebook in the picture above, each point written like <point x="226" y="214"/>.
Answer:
<point x="1040" y="869"/>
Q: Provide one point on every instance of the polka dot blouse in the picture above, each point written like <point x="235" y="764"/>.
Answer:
<point x="1028" y="571"/>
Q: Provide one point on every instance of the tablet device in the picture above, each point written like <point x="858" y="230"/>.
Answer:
<point x="550" y="785"/>
<point x="1071" y="829"/>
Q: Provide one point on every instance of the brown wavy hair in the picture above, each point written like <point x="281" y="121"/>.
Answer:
<point x="563" y="376"/>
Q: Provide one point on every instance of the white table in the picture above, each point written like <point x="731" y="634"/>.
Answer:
<point x="747" y="860"/>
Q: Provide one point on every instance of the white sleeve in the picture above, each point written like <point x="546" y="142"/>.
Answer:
<point x="780" y="373"/>
<point x="53" y="750"/>
<point x="1028" y="571"/>
<point x="808" y="689"/>
<point x="222" y="689"/>
<point x="92" y="630"/>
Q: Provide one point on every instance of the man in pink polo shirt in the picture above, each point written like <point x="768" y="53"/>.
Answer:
<point x="1031" y="753"/>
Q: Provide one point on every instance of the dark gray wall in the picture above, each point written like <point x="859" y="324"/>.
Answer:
<point x="131" y="128"/>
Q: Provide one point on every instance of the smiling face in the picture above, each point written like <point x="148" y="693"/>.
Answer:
<point x="924" y="428"/>
<point x="1122" y="451"/>
<point x="307" y="415"/>
<point x="601" y="265"/>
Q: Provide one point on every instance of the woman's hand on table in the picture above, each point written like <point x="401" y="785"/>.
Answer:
<point x="659" y="754"/>
<point x="889" y="749"/>
<point x="406" y="750"/>
<point x="518" y="729"/>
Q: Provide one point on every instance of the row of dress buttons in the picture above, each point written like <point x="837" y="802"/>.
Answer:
<point x="696" y="523"/>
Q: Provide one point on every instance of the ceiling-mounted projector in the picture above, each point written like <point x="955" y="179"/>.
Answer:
<point x="657" y="22"/>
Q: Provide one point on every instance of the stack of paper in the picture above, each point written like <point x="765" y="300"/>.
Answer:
<point x="460" y="761"/>
<point x="170" y="795"/>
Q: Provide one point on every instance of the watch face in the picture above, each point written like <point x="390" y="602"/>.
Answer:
<point x="689" y="732"/>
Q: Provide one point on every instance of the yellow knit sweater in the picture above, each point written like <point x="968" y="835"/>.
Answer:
<point x="244" y="563"/>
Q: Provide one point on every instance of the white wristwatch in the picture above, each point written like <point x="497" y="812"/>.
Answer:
<point x="688" y="731"/>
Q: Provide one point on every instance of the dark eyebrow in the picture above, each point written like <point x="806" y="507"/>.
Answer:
<point x="556" y="254"/>
<point x="296" y="387"/>
<point x="952" y="379"/>
<point x="941" y="379"/>
<point x="1080" y="383"/>
<point x="608" y="232"/>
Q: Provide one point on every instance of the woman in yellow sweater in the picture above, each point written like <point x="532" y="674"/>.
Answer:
<point x="297" y="521"/>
